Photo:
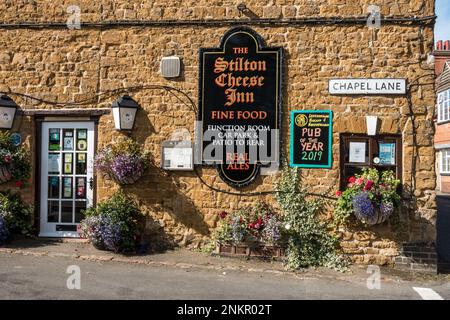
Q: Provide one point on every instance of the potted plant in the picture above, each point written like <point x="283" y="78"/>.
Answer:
<point x="14" y="161"/>
<point x="371" y="197"/>
<point x="16" y="215"/>
<point x="114" y="224"/>
<point x="123" y="161"/>
<point x="250" y="231"/>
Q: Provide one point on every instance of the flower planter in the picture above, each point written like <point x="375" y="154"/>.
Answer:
<point x="260" y="251"/>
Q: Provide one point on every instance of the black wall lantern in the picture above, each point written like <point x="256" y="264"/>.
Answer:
<point x="8" y="110"/>
<point x="124" y="112"/>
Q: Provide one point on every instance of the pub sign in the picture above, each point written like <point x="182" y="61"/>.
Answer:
<point x="239" y="105"/>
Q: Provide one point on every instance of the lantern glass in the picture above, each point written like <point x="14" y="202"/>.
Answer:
<point x="7" y="112"/>
<point x="127" y="117"/>
<point x="7" y="115"/>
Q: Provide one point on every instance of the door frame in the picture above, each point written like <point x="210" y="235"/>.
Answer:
<point x="38" y="120"/>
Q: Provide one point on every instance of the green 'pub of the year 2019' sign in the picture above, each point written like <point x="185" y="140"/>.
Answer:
<point x="311" y="138"/>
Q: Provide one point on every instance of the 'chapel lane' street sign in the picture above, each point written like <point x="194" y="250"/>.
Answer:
<point x="367" y="86"/>
<point x="239" y="105"/>
<point x="311" y="138"/>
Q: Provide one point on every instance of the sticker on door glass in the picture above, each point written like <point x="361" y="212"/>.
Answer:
<point x="68" y="159"/>
<point x="82" y="134"/>
<point x="81" y="188"/>
<point x="68" y="140"/>
<point x="81" y="163"/>
<point x="67" y="187"/>
<point x="82" y="145"/>
<point x="53" y="139"/>
<point x="53" y="163"/>
<point x="81" y="139"/>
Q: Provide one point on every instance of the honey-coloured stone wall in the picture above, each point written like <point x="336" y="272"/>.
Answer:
<point x="57" y="63"/>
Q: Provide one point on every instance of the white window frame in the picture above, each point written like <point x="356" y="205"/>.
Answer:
<point x="445" y="161"/>
<point x="443" y="106"/>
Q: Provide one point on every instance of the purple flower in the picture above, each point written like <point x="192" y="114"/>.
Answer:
<point x="386" y="209"/>
<point x="102" y="160"/>
<point x="364" y="208"/>
<point x="271" y="233"/>
<point x="126" y="166"/>
<point x="102" y="232"/>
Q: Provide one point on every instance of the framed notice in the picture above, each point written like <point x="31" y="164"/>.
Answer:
<point x="357" y="152"/>
<point x="311" y="138"/>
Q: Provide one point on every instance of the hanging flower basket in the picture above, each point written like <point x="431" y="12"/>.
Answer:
<point x="124" y="161"/>
<point x="14" y="161"/>
<point x="371" y="197"/>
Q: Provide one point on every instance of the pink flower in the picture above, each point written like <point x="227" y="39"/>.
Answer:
<point x="338" y="193"/>
<point x="223" y="214"/>
<point x="369" y="185"/>
<point x="350" y="185"/>
<point x="7" y="158"/>
<point x="359" y="181"/>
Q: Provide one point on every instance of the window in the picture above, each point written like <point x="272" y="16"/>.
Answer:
<point x="445" y="161"/>
<point x="443" y="106"/>
<point x="361" y="151"/>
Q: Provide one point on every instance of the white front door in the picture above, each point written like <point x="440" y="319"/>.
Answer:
<point x="67" y="153"/>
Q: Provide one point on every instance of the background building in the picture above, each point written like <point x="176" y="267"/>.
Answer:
<point x="442" y="137"/>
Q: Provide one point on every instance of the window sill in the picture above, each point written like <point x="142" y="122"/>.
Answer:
<point x="442" y="122"/>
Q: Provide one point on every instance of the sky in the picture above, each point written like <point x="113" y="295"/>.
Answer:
<point x="442" y="28"/>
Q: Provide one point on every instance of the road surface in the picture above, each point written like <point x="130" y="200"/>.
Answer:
<point x="29" y="277"/>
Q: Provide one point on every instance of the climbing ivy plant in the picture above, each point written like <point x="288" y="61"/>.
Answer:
<point x="309" y="241"/>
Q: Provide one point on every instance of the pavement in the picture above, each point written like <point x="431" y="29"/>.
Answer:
<point x="44" y="269"/>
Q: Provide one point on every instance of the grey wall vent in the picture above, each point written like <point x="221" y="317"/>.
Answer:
<point x="170" y="67"/>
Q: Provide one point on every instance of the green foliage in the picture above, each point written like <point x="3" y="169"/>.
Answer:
<point x="309" y="242"/>
<point x="17" y="214"/>
<point x="16" y="158"/>
<point x="122" y="210"/>
<point x="381" y="188"/>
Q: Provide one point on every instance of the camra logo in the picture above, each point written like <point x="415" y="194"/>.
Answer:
<point x="301" y="120"/>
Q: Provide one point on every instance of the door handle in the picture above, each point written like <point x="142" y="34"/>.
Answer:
<point x="91" y="183"/>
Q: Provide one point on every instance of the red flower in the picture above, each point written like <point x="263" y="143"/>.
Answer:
<point x="223" y="214"/>
<point x="19" y="184"/>
<point x="369" y="185"/>
<point x="352" y="179"/>
<point x="338" y="193"/>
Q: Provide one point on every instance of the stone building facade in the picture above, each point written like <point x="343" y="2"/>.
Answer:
<point x="119" y="45"/>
